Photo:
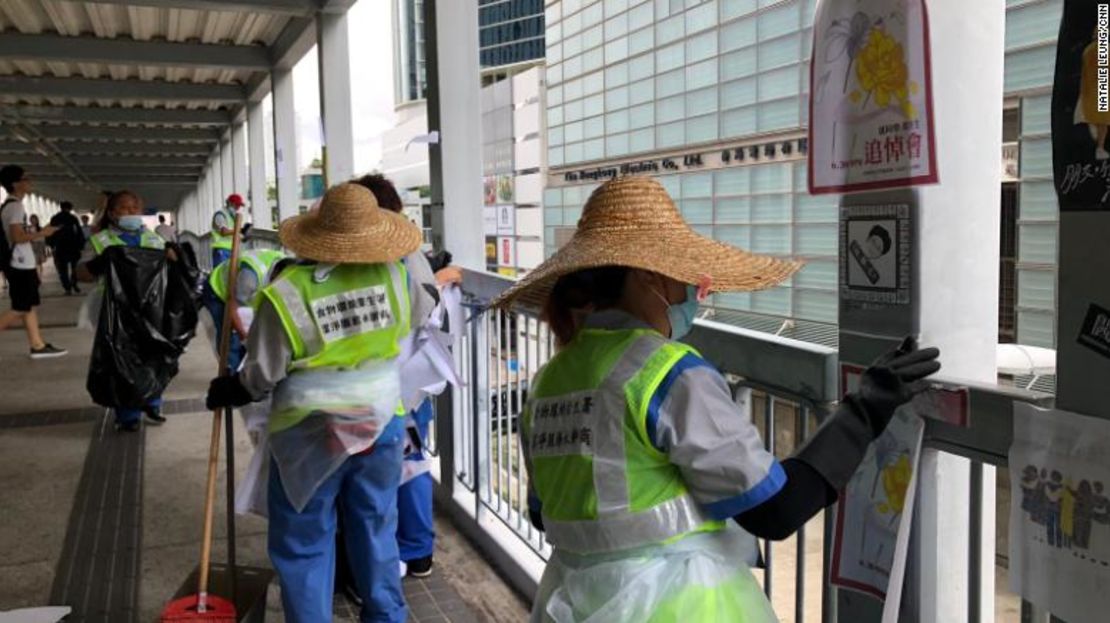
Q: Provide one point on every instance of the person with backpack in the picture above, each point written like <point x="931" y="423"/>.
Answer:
<point x="17" y="259"/>
<point x="67" y="242"/>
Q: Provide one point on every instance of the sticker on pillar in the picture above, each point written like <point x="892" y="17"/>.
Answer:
<point x="871" y="538"/>
<point x="875" y="254"/>
<point x="1095" y="333"/>
<point x="1059" y="543"/>
<point x="871" y="101"/>
<point x="1081" y="108"/>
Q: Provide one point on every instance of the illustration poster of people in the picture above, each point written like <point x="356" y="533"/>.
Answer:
<point x="876" y="509"/>
<point x="871" y="111"/>
<point x="1060" y="514"/>
<point x="1081" y="107"/>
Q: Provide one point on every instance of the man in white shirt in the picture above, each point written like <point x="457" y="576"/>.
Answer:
<point x="20" y="270"/>
<point x="166" y="231"/>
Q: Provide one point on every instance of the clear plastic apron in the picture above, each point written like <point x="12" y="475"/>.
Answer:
<point x="353" y="407"/>
<point x="701" y="578"/>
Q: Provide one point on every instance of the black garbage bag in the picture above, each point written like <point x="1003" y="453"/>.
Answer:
<point x="147" y="318"/>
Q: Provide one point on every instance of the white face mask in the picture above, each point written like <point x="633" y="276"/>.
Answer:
<point x="681" y="315"/>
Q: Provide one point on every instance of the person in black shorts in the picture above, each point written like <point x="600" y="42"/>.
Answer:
<point x="21" y="269"/>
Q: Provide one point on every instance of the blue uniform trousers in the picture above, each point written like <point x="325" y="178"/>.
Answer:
<point x="131" y="416"/>
<point x="237" y="349"/>
<point x="416" y="536"/>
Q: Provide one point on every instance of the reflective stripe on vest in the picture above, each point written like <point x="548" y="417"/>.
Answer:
<point x="105" y="238"/>
<point x="617" y="449"/>
<point x="260" y="262"/>
<point x="220" y="241"/>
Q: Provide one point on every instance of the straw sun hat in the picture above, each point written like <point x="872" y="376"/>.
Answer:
<point x="631" y="221"/>
<point x="350" y="228"/>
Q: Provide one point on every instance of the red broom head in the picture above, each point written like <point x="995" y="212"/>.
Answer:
<point x="184" y="610"/>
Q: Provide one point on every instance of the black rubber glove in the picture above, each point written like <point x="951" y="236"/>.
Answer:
<point x="227" y="391"/>
<point x="893" y="380"/>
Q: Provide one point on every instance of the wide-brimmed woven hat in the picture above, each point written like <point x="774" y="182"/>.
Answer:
<point x="633" y="222"/>
<point x="349" y="228"/>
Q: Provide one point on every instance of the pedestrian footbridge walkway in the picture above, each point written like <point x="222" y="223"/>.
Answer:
<point x="109" y="523"/>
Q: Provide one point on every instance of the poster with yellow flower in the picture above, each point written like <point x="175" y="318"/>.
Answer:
<point x="871" y="123"/>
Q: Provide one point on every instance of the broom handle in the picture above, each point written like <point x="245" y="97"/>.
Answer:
<point x="214" y="447"/>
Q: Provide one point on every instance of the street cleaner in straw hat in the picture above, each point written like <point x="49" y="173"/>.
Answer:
<point x="323" y="345"/>
<point x="640" y="464"/>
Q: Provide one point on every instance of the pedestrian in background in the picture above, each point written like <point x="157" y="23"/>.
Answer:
<point x="165" y="230"/>
<point x="67" y="242"/>
<point x="38" y="245"/>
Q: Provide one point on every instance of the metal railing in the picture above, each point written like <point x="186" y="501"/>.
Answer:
<point x="793" y="385"/>
<point x="202" y="244"/>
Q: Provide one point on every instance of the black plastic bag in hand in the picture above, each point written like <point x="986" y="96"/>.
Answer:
<point x="893" y="380"/>
<point x="147" y="318"/>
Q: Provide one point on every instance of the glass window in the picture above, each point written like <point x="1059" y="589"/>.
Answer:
<point x="592" y="38"/>
<point x="616" y="50"/>
<point x="738" y="93"/>
<point x="701" y="75"/>
<point x="740" y="301"/>
<point x="573" y="131"/>
<point x="555" y="135"/>
<point x="1035" y="22"/>
<point x="773" y="239"/>
<point x="593" y="105"/>
<point x="617" y="98"/>
<point x="595" y="127"/>
<point x="669" y="30"/>
<point x="641" y="92"/>
<point x="572" y="46"/>
<point x="552" y="216"/>
<point x="739" y="64"/>
<point x="1029" y="69"/>
<point x="671" y="134"/>
<point x="697" y="185"/>
<point x="1038" y="201"/>
<point x="641" y="116"/>
<point x="593" y="59"/>
<point x="573" y="112"/>
<point x="815" y="208"/>
<point x="617" y="121"/>
<point x="572" y="213"/>
<point x="554" y="74"/>
<point x="734" y="181"/>
<point x="1036" y="158"/>
<point x="612" y="7"/>
<point x="572" y="68"/>
<point x="1037" y="243"/>
<point x="736" y="8"/>
<point x="701" y="47"/>
<point x="816" y="306"/>
<point x="592" y="15"/>
<point x="573" y="90"/>
<point x="640" y="16"/>
<point x="1036" y="328"/>
<point x="670" y="109"/>
<point x="552" y="197"/>
<point x="737" y="236"/>
<point x="555" y="96"/>
<point x="554" y="53"/>
<point x="555" y="116"/>
<point x="779" y="83"/>
<point x="701" y="17"/>
<point x="817" y="239"/>
<point x="779" y="115"/>
<point x="701" y="129"/>
<point x="616" y="27"/>
<point x="818" y="274"/>
<point x="572" y="24"/>
<point x="782" y="51"/>
<point x="670" y="83"/>
<point x="593" y="150"/>
<point x="554" y="12"/>
<point x="771" y="208"/>
<point x="1037" y="289"/>
<point x="670" y="57"/>
<point x="662" y="8"/>
<point x="574" y="152"/>
<point x="573" y="196"/>
<point x="773" y="178"/>
<point x="641" y="41"/>
<point x="672" y="184"/>
<point x="738" y="122"/>
<point x="641" y="67"/>
<point x="701" y="102"/>
<point x="698" y="211"/>
<point x="593" y="83"/>
<point x="738" y="34"/>
<point x="641" y="140"/>
<point x="783" y="19"/>
<point x="1036" y="115"/>
<point x="555" y="156"/>
<point x="616" y="75"/>
<point x="616" y="145"/>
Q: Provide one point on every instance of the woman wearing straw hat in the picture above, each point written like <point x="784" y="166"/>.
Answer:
<point x="637" y="455"/>
<point x="324" y="341"/>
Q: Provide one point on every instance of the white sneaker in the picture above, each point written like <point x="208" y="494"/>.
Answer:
<point x="404" y="569"/>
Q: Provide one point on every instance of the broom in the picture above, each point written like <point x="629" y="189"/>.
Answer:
<point x="202" y="607"/>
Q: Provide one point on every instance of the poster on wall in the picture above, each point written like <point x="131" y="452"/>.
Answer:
<point x="506" y="251"/>
<point x="1081" y="108"/>
<point x="1060" y="513"/>
<point x="872" y="533"/>
<point x="489" y="190"/>
<point x="506" y="220"/>
<point x="491" y="253"/>
<point x="489" y="221"/>
<point x="871" y="114"/>
<point x="875" y="248"/>
<point x="506" y="191"/>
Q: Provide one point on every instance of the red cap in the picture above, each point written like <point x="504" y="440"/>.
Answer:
<point x="235" y="200"/>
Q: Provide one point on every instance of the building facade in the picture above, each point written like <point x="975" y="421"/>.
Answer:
<point x="510" y="31"/>
<point x="711" y="97"/>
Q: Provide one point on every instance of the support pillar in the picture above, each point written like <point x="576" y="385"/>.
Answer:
<point x="285" y="143"/>
<point x="227" y="173"/>
<point x="335" y="97"/>
<point x="256" y="150"/>
<point x="454" y="109"/>
<point x="239" y="159"/>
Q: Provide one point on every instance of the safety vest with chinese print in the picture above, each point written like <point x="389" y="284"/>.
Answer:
<point x="105" y="238"/>
<point x="260" y="261"/>
<point x="603" y="484"/>
<point x="220" y="241"/>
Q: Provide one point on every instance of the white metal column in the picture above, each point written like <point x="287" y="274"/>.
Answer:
<point x="460" y="127"/>
<point x="285" y="142"/>
<point x="256" y="148"/>
<point x="335" y="96"/>
<point x="227" y="173"/>
<point x="239" y="158"/>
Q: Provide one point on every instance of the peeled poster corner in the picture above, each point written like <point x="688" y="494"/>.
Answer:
<point x="1060" y="513"/>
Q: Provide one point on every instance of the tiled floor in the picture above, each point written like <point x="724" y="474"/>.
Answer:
<point x="430" y="600"/>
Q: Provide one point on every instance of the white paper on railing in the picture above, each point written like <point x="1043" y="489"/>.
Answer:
<point x="871" y="540"/>
<point x="426" y="362"/>
<point x="1060" y="513"/>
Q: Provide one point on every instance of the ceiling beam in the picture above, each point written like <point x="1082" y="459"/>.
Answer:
<point x="71" y="148"/>
<point x="294" y="41"/>
<point x="53" y="47"/>
<point x="111" y="133"/>
<point x="139" y="161"/>
<point x="283" y="7"/>
<point x="94" y="114"/>
<point x="139" y="172"/>
<point x="74" y="88"/>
